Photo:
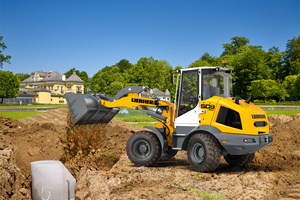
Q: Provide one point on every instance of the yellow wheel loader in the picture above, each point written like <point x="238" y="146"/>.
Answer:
<point x="204" y="120"/>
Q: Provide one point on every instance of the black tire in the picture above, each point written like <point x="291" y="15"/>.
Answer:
<point x="204" y="152"/>
<point x="170" y="153"/>
<point x="240" y="160"/>
<point x="143" y="148"/>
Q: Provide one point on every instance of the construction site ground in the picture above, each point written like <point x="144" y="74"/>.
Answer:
<point x="95" y="155"/>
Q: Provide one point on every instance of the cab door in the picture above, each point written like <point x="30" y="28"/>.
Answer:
<point x="188" y="99"/>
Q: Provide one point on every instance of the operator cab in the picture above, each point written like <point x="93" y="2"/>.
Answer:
<point x="198" y="84"/>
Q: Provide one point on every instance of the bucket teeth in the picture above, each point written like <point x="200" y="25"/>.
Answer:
<point x="86" y="109"/>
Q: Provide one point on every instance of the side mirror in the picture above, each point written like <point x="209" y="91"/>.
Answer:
<point x="172" y="79"/>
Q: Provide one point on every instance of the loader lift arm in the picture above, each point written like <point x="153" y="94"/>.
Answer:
<point x="100" y="108"/>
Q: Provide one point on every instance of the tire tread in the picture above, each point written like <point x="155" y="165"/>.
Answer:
<point x="212" y="159"/>
<point x="157" y="148"/>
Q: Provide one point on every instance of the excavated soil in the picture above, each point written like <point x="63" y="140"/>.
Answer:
<point x="95" y="155"/>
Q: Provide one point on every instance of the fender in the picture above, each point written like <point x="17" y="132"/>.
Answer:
<point x="163" y="141"/>
<point x="203" y="128"/>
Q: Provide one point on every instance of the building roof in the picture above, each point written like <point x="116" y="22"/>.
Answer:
<point x="27" y="93"/>
<point x="28" y="80"/>
<point x="74" y="78"/>
<point x="167" y="93"/>
<point x="56" y="95"/>
<point x="41" y="73"/>
<point x="53" y="77"/>
<point x="156" y="92"/>
<point x="31" y="77"/>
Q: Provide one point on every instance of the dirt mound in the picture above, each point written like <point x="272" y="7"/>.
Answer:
<point x="284" y="152"/>
<point x="31" y="139"/>
<point x="125" y="181"/>
<point x="56" y="117"/>
<point x="282" y="157"/>
<point x="12" y="181"/>
<point x="97" y="146"/>
<point x="8" y="125"/>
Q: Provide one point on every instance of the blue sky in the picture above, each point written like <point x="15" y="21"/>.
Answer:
<point x="58" y="35"/>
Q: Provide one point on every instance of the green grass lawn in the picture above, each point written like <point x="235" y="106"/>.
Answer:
<point x="18" y="115"/>
<point x="282" y="112"/>
<point x="33" y="105"/>
<point x="134" y="116"/>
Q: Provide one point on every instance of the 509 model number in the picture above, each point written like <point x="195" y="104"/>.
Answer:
<point x="208" y="106"/>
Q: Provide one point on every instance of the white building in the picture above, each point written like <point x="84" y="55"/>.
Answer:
<point x="158" y="93"/>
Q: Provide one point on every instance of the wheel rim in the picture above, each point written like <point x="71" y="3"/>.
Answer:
<point x="142" y="148"/>
<point x="198" y="153"/>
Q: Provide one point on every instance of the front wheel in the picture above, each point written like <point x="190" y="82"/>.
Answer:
<point x="203" y="152"/>
<point x="239" y="160"/>
<point x="143" y="148"/>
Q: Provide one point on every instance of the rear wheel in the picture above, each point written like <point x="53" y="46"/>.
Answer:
<point x="143" y="148"/>
<point x="240" y="160"/>
<point x="170" y="153"/>
<point x="204" y="152"/>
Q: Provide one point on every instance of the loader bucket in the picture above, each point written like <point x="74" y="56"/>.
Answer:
<point x="86" y="109"/>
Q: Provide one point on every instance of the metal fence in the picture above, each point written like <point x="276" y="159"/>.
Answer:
<point x="19" y="100"/>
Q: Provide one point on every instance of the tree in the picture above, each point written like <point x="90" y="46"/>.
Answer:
<point x="235" y="45"/>
<point x="275" y="61"/>
<point x="100" y="82"/>
<point x="178" y="67"/>
<point x="3" y="58"/>
<point x="267" y="89"/>
<point x="114" y="88"/>
<point x="292" y="57"/>
<point x="152" y="73"/>
<point x="22" y="76"/>
<point x="112" y="78"/>
<point x="9" y="85"/>
<point x="289" y="85"/>
<point x="297" y="86"/>
<point x="206" y="60"/>
<point x="124" y="65"/>
<point x="249" y="64"/>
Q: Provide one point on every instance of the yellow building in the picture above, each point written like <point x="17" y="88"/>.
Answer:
<point x="49" y="87"/>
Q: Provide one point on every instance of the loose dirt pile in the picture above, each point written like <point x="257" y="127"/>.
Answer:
<point x="31" y="139"/>
<point x="96" y="146"/>
<point x="95" y="155"/>
<point x="12" y="181"/>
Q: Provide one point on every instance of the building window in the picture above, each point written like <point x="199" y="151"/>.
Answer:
<point x="78" y="89"/>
